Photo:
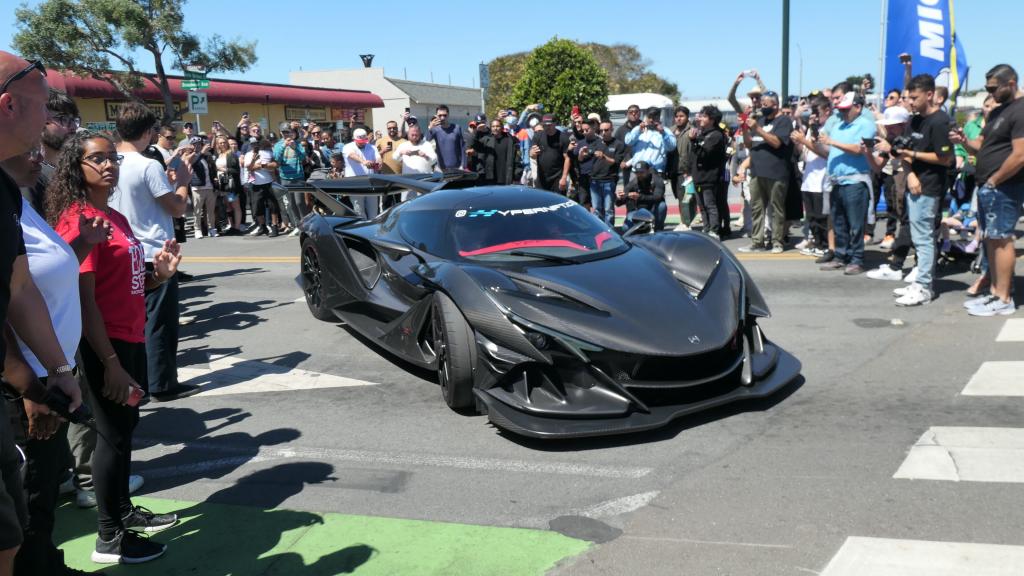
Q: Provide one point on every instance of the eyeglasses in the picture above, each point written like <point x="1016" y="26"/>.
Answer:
<point x="36" y="65"/>
<point x="100" y="159"/>
<point x="69" y="122"/>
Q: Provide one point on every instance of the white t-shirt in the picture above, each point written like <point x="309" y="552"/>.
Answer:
<point x="368" y="152"/>
<point x="815" y="171"/>
<point x="422" y="163"/>
<point x="263" y="175"/>
<point x="54" y="269"/>
<point x="142" y="181"/>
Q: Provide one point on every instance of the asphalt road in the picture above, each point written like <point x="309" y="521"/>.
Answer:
<point x="766" y="488"/>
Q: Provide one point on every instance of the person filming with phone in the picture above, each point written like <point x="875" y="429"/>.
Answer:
<point x="650" y="141"/>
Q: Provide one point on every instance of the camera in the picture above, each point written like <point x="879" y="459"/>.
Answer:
<point x="900" y="143"/>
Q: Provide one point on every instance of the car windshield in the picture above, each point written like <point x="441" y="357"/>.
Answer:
<point x="556" y="232"/>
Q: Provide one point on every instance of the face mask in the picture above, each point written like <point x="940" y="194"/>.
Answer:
<point x="767" y="111"/>
<point x="534" y="122"/>
<point x="362" y="141"/>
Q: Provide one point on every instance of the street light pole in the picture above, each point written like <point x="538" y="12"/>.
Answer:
<point x="785" y="51"/>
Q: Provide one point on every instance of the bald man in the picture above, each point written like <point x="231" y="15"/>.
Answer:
<point x="23" y="97"/>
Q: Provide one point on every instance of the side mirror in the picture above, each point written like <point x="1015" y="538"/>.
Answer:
<point x="643" y="221"/>
<point x="394" y="249"/>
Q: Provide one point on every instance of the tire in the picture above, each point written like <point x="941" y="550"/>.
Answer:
<point x="453" y="339"/>
<point x="312" y="276"/>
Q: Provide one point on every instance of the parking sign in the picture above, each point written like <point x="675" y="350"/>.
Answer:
<point x="197" y="103"/>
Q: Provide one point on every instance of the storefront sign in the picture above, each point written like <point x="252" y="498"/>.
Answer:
<point x="305" y="112"/>
<point x="113" y="108"/>
<point x="347" y="114"/>
<point x="105" y="127"/>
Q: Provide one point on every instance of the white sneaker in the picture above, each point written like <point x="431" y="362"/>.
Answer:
<point x="255" y="231"/>
<point x="214" y="233"/>
<point x="977" y="301"/>
<point x="885" y="272"/>
<point x="904" y="290"/>
<point x="994" y="307"/>
<point x="681" y="228"/>
<point x="911" y="276"/>
<point x="295" y="232"/>
<point x="802" y="244"/>
<point x="199" y="234"/>
<point x="916" y="295"/>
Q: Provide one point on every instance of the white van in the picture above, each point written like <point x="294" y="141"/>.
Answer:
<point x="619" y="103"/>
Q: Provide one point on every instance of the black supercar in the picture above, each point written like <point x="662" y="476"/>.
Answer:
<point x="534" y="311"/>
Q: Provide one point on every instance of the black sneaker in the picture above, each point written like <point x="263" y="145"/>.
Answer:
<point x="145" y="520"/>
<point x="827" y="257"/>
<point x="273" y="232"/>
<point x="173" y="393"/>
<point x="126" y="547"/>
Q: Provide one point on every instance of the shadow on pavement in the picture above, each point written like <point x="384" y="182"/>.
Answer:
<point x="214" y="538"/>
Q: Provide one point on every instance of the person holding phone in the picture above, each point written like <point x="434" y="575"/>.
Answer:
<point x="386" y="146"/>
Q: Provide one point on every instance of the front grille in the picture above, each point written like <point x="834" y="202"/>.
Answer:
<point x="634" y="370"/>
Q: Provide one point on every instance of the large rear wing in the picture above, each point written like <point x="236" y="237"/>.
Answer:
<point x="330" y="192"/>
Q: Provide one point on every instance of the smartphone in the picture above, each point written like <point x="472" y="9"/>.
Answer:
<point x="868" y="142"/>
<point x="407" y="110"/>
<point x="174" y="163"/>
<point x="245" y="115"/>
<point x="576" y="110"/>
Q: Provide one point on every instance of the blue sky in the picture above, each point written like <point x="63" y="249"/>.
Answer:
<point x="698" y="44"/>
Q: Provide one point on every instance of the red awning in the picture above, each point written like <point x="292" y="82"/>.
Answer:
<point x="223" y="91"/>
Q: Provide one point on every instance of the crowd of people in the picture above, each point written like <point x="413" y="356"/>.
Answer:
<point x="89" y="285"/>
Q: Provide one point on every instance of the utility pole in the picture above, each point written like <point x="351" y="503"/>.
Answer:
<point x="785" y="52"/>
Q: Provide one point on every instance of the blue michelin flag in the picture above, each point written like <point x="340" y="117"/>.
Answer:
<point x="926" y="30"/>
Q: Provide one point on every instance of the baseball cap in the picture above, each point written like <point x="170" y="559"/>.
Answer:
<point x="480" y="119"/>
<point x="360" y="135"/>
<point x="849" y="100"/>
<point x="187" y="125"/>
<point x="894" y="115"/>
<point x="641" y="166"/>
<point x="755" y="90"/>
<point x="412" y="120"/>
<point x="594" y="116"/>
<point x="548" y="119"/>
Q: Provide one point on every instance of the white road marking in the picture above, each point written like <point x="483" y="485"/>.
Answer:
<point x="883" y="557"/>
<point x="232" y="375"/>
<point x="997" y="379"/>
<point x="618" y="506"/>
<point x="1013" y="331"/>
<point x="966" y="454"/>
<point x="397" y="459"/>
<point x="673" y="540"/>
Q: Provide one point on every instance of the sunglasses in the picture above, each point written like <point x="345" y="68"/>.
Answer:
<point x="35" y="65"/>
<point x="992" y="89"/>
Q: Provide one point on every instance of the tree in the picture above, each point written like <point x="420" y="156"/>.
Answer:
<point x="629" y="71"/>
<point x="562" y="74"/>
<point x="504" y="71"/>
<point x="92" y="37"/>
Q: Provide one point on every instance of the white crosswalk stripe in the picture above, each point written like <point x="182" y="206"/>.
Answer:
<point x="966" y="454"/>
<point x="1013" y="331"/>
<point x="232" y="375"/>
<point x="997" y="379"/>
<point x="885" y="557"/>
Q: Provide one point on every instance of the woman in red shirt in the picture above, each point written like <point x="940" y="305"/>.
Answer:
<point x="112" y="281"/>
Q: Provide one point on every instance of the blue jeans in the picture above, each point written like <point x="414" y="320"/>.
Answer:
<point x="1001" y="207"/>
<point x="602" y="198"/>
<point x="849" y="214"/>
<point x="660" y="212"/>
<point x="923" y="232"/>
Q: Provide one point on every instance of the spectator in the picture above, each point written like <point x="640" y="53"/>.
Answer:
<point x="754" y="94"/>
<point x="112" y="283"/>
<point x="814" y="158"/>
<point x="448" y="140"/>
<point x="204" y="199"/>
<point x="416" y="155"/>
<point x="167" y="142"/>
<point x="604" y="175"/>
<point x="928" y="158"/>
<point x="646" y="189"/>
<point x="361" y="160"/>
<point x="551" y="150"/>
<point x="650" y="142"/>
<point x="632" y="121"/>
<point x="63" y="121"/>
<point x="768" y="138"/>
<point x="507" y="164"/>
<point x="587" y="144"/>
<point x="188" y="130"/>
<point x="386" y="147"/>
<point x="480" y="151"/>
<point x="678" y="167"/>
<point x="145" y="196"/>
<point x="260" y="166"/>
<point x="1000" y="156"/>
<point x="708" y="145"/>
<point x="327" y="147"/>
<point x="290" y="157"/>
<point x="226" y="180"/>
<point x="850" y="176"/>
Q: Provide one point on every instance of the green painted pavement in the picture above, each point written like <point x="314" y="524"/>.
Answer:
<point x="222" y="539"/>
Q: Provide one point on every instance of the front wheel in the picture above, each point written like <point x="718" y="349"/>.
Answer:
<point x="312" y="276"/>
<point x="452" y="341"/>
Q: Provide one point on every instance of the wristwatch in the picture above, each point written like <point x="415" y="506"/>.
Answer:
<point x="62" y="370"/>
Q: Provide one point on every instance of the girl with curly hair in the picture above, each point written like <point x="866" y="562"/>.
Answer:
<point x="112" y="281"/>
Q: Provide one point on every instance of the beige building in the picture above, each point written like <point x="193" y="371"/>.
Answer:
<point x="422" y="98"/>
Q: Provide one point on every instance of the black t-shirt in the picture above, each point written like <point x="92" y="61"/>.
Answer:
<point x="708" y="152"/>
<point x="931" y="134"/>
<point x="501" y="153"/>
<point x="12" y="245"/>
<point x="616" y="151"/>
<point x="768" y="162"/>
<point x="1004" y="125"/>
<point x="552" y="151"/>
